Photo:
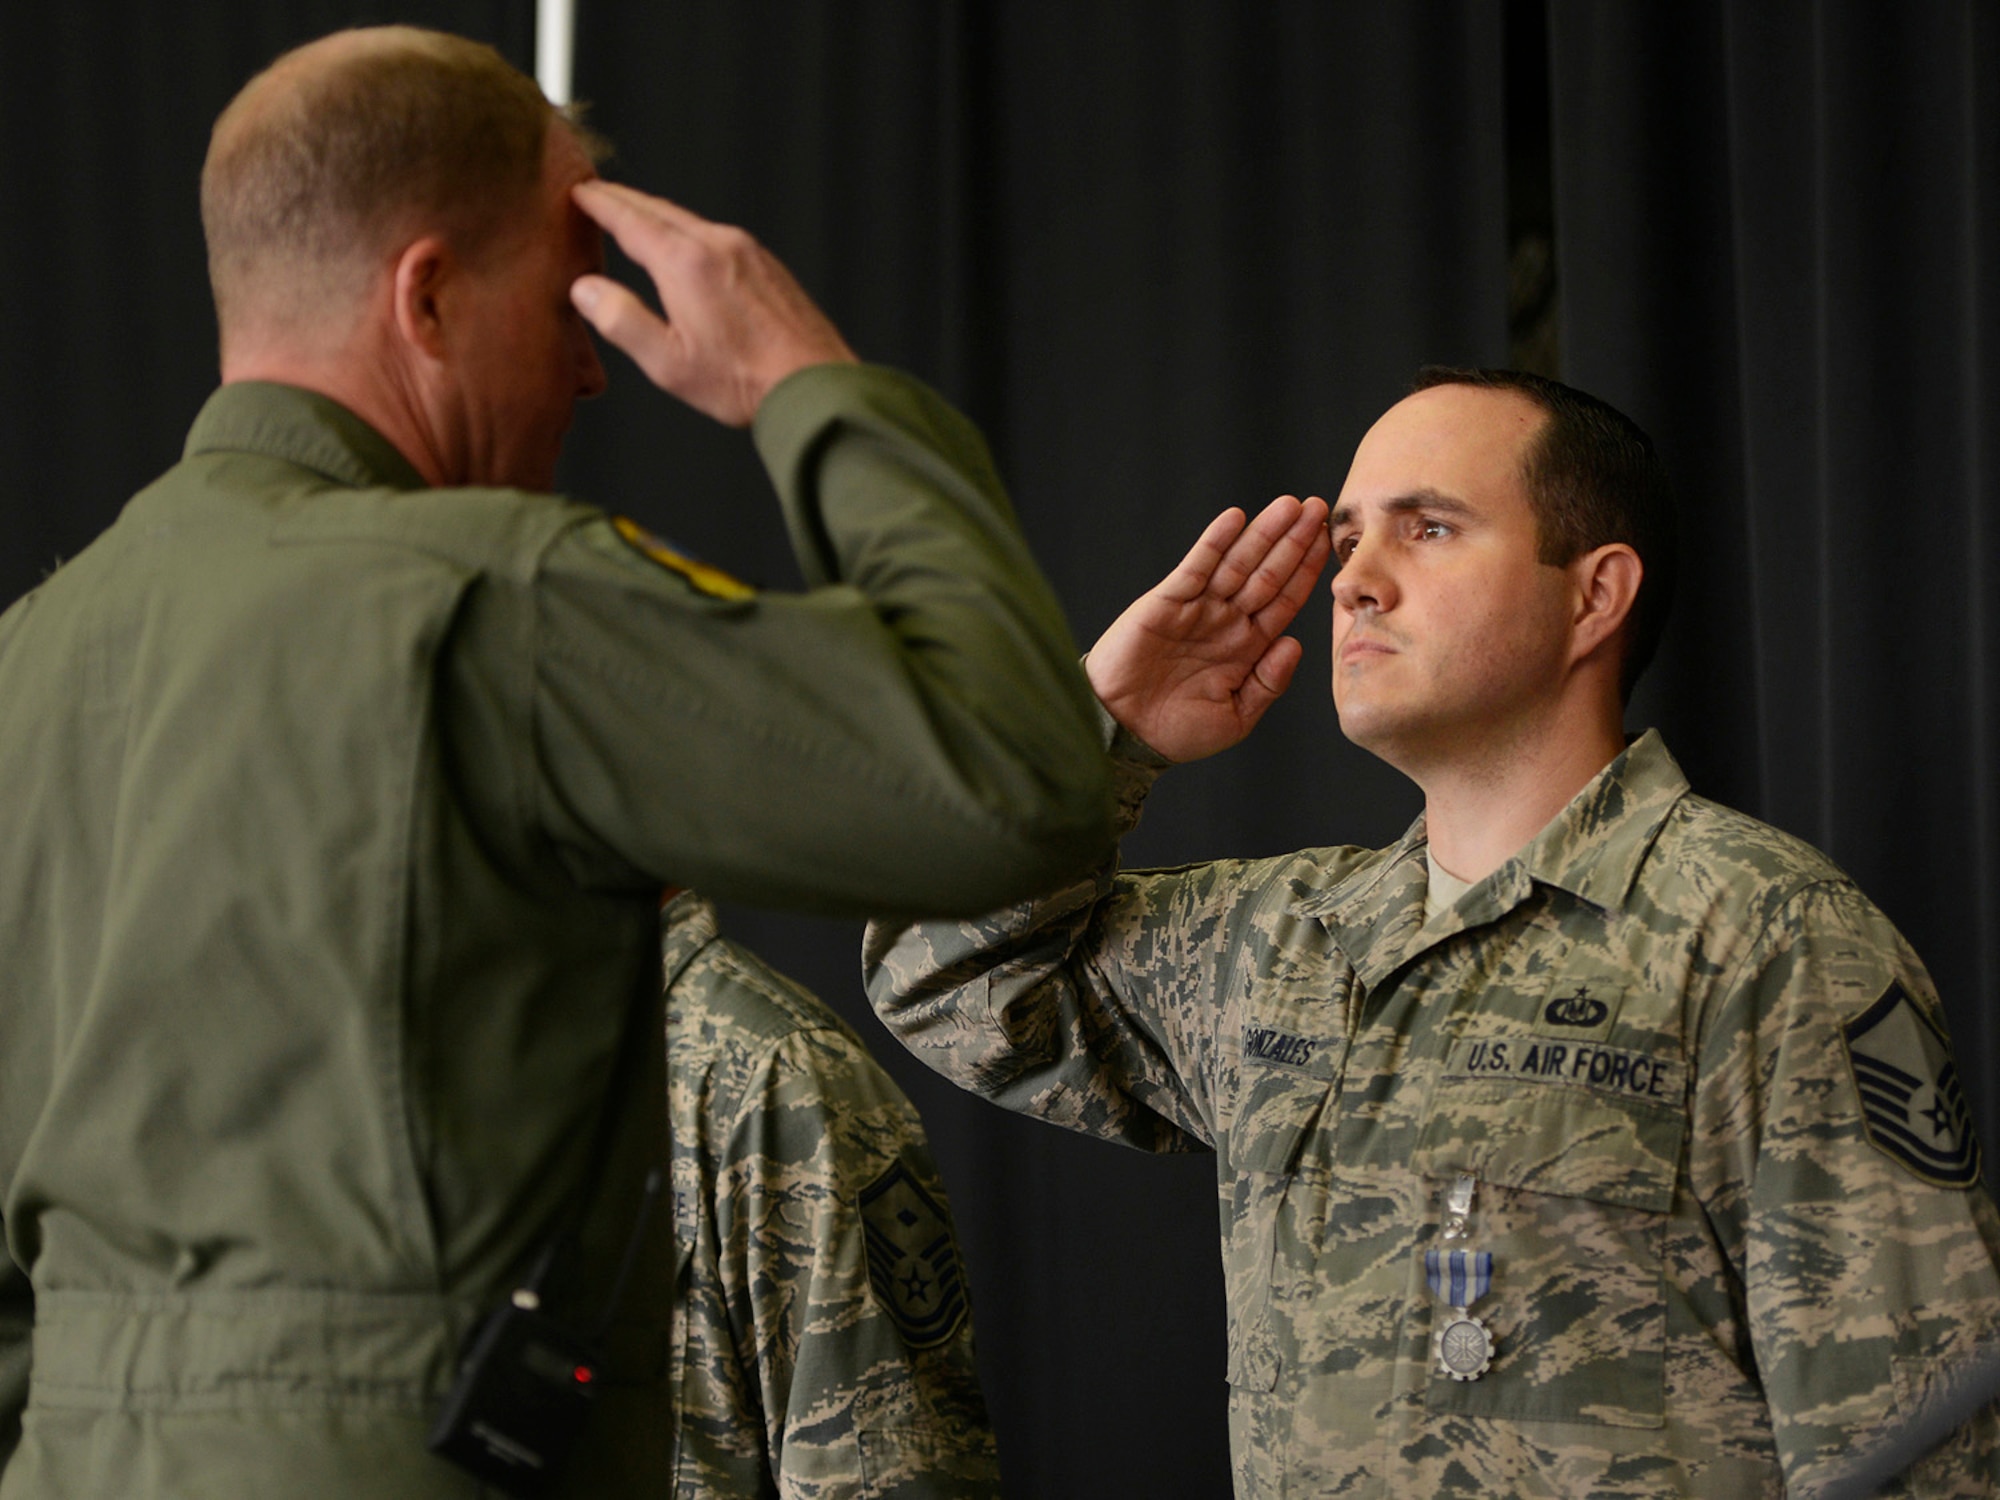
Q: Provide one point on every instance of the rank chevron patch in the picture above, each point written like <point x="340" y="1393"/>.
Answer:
<point x="912" y="1262"/>
<point x="1911" y="1103"/>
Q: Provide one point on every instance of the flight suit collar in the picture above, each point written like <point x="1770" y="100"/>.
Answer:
<point x="302" y="427"/>
<point x="1593" y="849"/>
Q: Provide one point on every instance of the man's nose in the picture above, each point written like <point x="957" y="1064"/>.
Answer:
<point x="1363" y="580"/>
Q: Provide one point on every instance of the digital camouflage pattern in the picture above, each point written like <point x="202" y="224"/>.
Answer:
<point x="823" y="1333"/>
<point x="1709" y="1275"/>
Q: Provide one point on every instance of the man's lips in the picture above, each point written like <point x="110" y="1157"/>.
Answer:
<point x="1356" y="647"/>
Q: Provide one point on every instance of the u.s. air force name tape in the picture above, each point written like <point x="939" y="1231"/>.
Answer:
<point x="1526" y="1058"/>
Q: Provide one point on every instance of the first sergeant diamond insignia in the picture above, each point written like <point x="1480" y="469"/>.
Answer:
<point x="1911" y="1104"/>
<point x="912" y="1262"/>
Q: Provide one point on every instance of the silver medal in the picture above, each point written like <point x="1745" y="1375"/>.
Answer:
<point x="1458" y="1278"/>
<point x="1464" y="1347"/>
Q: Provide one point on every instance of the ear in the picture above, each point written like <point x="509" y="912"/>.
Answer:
<point x="423" y="274"/>
<point x="1606" y="582"/>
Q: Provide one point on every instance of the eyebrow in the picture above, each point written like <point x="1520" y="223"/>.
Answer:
<point x="1424" y="499"/>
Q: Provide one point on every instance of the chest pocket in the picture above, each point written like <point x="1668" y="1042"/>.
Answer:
<point x="1573" y="1191"/>
<point x="1281" y="1106"/>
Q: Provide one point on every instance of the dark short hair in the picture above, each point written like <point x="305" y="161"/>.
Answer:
<point x="344" y="144"/>
<point x="1593" y="477"/>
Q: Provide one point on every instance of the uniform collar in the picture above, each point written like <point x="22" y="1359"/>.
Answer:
<point x="302" y="427"/>
<point x="687" y="925"/>
<point x="1592" y="848"/>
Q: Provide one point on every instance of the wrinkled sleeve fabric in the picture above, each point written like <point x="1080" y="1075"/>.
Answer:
<point x="911" y="733"/>
<point x="1097" y="1006"/>
<point x="1864" y="1283"/>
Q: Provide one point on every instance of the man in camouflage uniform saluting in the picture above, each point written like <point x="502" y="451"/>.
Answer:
<point x="1591" y="1140"/>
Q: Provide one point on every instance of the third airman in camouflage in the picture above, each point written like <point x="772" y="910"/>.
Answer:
<point x="823" y="1327"/>
<point x="1593" y="1140"/>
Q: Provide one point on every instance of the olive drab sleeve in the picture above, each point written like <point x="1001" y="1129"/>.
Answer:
<point x="927" y="692"/>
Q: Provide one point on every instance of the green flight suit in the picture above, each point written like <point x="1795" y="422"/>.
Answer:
<point x="337" y="814"/>
<point x="1666" y="1066"/>
<point x="824" y="1343"/>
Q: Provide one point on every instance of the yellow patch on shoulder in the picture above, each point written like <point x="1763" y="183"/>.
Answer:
<point x="709" y="580"/>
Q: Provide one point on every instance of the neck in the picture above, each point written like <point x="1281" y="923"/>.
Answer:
<point x="365" y="380"/>
<point x="1481" y="810"/>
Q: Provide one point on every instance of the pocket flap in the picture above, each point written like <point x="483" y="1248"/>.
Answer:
<point x="1621" y="1147"/>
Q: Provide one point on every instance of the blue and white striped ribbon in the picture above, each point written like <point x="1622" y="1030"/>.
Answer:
<point x="1469" y="1274"/>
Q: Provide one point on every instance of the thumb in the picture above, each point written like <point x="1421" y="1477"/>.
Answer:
<point x="625" y="321"/>
<point x="1268" y="680"/>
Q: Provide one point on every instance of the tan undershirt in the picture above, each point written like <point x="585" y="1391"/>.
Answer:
<point x="1445" y="888"/>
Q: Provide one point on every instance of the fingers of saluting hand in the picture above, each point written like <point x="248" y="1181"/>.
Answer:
<point x="1307" y="554"/>
<point x="735" y="323"/>
<point x="628" y="323"/>
<point x="646" y="227"/>
<point x="622" y="210"/>
<point x="1191" y="576"/>
<point x="1267" y="557"/>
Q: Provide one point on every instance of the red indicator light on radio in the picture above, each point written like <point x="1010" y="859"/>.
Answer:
<point x="584" y="1375"/>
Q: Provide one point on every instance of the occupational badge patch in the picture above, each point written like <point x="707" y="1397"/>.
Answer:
<point x="708" y="580"/>
<point x="1911" y="1103"/>
<point x="912" y="1262"/>
<point x="1577" y="1008"/>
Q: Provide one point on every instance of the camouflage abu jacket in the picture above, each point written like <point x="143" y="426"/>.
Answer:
<point x="823" y="1337"/>
<point x="1676" y="1094"/>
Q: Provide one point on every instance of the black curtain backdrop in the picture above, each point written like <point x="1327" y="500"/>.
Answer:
<point x="1779" y="244"/>
<point x="1174" y="257"/>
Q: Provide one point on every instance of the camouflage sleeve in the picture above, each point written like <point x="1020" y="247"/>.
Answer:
<point x="842" y="1275"/>
<point x="1095" y="1007"/>
<point x="1836" y="1160"/>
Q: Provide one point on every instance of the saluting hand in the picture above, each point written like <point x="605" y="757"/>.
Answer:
<point x="1191" y="666"/>
<point x="736" y="322"/>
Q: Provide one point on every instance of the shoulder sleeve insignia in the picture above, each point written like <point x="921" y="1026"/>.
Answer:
<point x="912" y="1261"/>
<point x="708" y="580"/>
<point x="1911" y="1103"/>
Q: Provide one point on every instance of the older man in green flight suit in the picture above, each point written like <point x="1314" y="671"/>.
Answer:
<point x="1593" y="1139"/>
<point x="345" y="769"/>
